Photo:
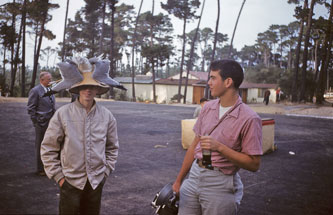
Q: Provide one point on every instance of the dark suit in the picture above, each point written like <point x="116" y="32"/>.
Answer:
<point x="40" y="109"/>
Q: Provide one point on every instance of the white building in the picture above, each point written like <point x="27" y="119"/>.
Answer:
<point x="167" y="89"/>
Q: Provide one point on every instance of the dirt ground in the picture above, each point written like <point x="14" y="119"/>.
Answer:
<point x="295" y="179"/>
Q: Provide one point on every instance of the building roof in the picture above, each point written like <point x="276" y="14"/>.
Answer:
<point x="198" y="75"/>
<point x="167" y="81"/>
<point x="137" y="80"/>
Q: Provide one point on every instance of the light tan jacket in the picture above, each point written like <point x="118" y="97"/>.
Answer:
<point x="86" y="143"/>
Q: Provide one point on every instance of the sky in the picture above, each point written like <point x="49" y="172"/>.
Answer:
<point x="256" y="17"/>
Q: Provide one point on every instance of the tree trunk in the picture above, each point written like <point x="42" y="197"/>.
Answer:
<point x="64" y="37"/>
<point x="152" y="60"/>
<point x="203" y="61"/>
<point x="182" y="62"/>
<point x="42" y="28"/>
<point x="290" y="59"/>
<point x="207" y="94"/>
<point x="36" y="38"/>
<point x="168" y="67"/>
<point x="294" y="96"/>
<point x="112" y="61"/>
<point x="153" y="73"/>
<point x="4" y="67"/>
<point x="16" y="58"/>
<point x="305" y="52"/>
<point x="133" y="50"/>
<point x="325" y="61"/>
<point x="23" y="50"/>
<point x="11" y="89"/>
<point x="266" y="57"/>
<point x="316" y="60"/>
<point x="189" y="65"/>
<point x="141" y="64"/>
<point x="233" y="33"/>
<point x="100" y="51"/>
<point x="281" y="51"/>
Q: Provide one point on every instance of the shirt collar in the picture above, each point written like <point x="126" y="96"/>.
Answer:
<point x="234" y="111"/>
<point x="45" y="89"/>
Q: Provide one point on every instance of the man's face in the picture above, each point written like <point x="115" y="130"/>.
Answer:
<point x="87" y="93"/>
<point x="216" y="84"/>
<point x="45" y="80"/>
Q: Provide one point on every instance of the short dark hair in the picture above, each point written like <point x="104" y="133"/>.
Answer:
<point x="202" y="100"/>
<point x="229" y="69"/>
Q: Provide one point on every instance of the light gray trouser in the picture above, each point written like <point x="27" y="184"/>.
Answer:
<point x="210" y="192"/>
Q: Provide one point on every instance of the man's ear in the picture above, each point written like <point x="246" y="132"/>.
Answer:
<point x="230" y="83"/>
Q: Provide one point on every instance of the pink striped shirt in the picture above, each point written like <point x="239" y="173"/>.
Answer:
<point x="240" y="129"/>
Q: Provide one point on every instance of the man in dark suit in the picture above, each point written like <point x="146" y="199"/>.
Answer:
<point x="41" y="109"/>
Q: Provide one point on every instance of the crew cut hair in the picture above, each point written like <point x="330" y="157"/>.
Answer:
<point x="229" y="69"/>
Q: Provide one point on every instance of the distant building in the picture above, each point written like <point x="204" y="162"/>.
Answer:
<point x="167" y="88"/>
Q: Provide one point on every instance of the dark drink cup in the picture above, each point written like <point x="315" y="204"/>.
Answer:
<point x="206" y="157"/>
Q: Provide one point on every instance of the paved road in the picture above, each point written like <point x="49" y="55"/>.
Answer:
<point x="151" y="155"/>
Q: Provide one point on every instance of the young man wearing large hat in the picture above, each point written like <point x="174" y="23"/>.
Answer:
<point x="80" y="147"/>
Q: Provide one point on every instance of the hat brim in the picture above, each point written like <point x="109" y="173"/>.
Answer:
<point x="101" y="90"/>
<point x="89" y="81"/>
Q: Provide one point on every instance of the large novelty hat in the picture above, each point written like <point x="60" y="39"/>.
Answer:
<point x="83" y="72"/>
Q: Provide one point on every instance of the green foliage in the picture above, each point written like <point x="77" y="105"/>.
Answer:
<point x="156" y="51"/>
<point x="223" y="53"/>
<point x="2" y="82"/>
<point x="156" y="44"/>
<point x="182" y="8"/>
<point x="262" y="74"/>
<point x="175" y="97"/>
<point x="285" y="82"/>
<point x="7" y="34"/>
<point x="248" y="55"/>
<point x="121" y="95"/>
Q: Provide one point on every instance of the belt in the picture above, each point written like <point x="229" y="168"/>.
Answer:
<point x="200" y="164"/>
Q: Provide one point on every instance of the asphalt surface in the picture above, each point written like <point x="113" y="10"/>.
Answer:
<point x="151" y="154"/>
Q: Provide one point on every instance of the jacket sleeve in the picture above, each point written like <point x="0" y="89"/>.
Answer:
<point x="32" y="104"/>
<point x="51" y="146"/>
<point x="112" y="146"/>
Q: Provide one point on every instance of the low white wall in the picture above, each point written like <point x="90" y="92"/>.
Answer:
<point x="164" y="93"/>
<point x="252" y="96"/>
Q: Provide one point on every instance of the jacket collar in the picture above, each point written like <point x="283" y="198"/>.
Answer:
<point x="79" y="105"/>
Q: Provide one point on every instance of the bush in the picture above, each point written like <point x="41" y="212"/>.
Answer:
<point x="175" y="97"/>
<point x="120" y="95"/>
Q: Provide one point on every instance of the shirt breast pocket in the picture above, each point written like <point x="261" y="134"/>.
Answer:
<point x="230" y="136"/>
